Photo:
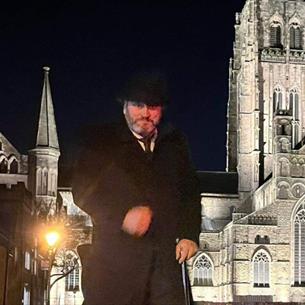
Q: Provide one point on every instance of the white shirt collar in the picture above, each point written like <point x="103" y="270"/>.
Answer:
<point x="153" y="139"/>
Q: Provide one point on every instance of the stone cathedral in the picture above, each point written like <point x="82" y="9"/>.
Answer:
<point x="253" y="236"/>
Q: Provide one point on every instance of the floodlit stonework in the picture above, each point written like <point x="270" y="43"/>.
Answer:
<point x="253" y="239"/>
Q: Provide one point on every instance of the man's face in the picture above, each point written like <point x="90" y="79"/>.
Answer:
<point x="141" y="118"/>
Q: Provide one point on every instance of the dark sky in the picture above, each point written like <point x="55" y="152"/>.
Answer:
<point x="93" y="46"/>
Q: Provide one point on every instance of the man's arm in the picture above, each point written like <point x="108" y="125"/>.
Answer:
<point x="103" y="190"/>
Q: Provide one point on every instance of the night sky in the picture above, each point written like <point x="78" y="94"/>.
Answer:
<point x="93" y="46"/>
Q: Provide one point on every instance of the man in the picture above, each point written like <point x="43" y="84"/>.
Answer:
<point x="136" y="181"/>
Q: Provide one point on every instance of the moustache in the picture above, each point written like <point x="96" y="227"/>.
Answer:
<point x="144" y="120"/>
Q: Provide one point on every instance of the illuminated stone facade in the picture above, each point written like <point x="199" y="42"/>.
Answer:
<point x="253" y="240"/>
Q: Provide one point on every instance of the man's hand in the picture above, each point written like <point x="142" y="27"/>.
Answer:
<point x="137" y="221"/>
<point x="185" y="249"/>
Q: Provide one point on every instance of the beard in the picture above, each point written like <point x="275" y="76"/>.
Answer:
<point x="143" y="127"/>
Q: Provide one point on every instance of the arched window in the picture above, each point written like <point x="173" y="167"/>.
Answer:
<point x="284" y="167"/>
<point x="279" y="104"/>
<point x="294" y="103"/>
<point x="275" y="35"/>
<point x="39" y="181"/>
<point x="283" y="191"/>
<point x="203" y="272"/>
<point x="52" y="183"/>
<point x="3" y="166"/>
<point x="0" y="145"/>
<point x="72" y="280"/>
<point x="44" y="184"/>
<point x="295" y="37"/>
<point x="14" y="167"/>
<point x="299" y="247"/>
<point x="294" y="106"/>
<point x="261" y="264"/>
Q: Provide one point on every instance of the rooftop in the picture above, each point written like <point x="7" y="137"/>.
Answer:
<point x="218" y="182"/>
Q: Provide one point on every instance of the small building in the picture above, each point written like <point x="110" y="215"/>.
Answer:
<point x="16" y="243"/>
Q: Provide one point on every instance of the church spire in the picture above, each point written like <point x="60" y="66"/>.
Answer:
<point x="47" y="133"/>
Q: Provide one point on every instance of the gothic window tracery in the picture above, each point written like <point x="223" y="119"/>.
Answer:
<point x="294" y="103"/>
<point x="295" y="109"/>
<point x="299" y="247"/>
<point x="275" y="35"/>
<point x="261" y="268"/>
<point x="203" y="271"/>
<point x="72" y="280"/>
<point x="279" y="104"/>
<point x="295" y="37"/>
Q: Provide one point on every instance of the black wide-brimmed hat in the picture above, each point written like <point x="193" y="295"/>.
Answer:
<point x="149" y="88"/>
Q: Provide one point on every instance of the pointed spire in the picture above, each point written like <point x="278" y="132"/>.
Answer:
<point x="47" y="133"/>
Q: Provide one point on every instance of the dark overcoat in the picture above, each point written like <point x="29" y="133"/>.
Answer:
<point x="114" y="174"/>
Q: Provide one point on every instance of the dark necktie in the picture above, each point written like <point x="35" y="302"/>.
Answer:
<point x="146" y="141"/>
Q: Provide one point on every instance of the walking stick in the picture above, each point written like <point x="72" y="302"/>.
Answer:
<point x="186" y="283"/>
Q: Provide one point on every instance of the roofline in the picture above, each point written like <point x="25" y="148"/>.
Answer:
<point x="222" y="195"/>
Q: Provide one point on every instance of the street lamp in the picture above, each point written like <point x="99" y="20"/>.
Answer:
<point x="52" y="236"/>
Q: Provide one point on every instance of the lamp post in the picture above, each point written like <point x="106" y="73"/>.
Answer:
<point x="52" y="237"/>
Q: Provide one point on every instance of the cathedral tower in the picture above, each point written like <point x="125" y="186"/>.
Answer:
<point x="267" y="79"/>
<point x="256" y="253"/>
<point x="43" y="159"/>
